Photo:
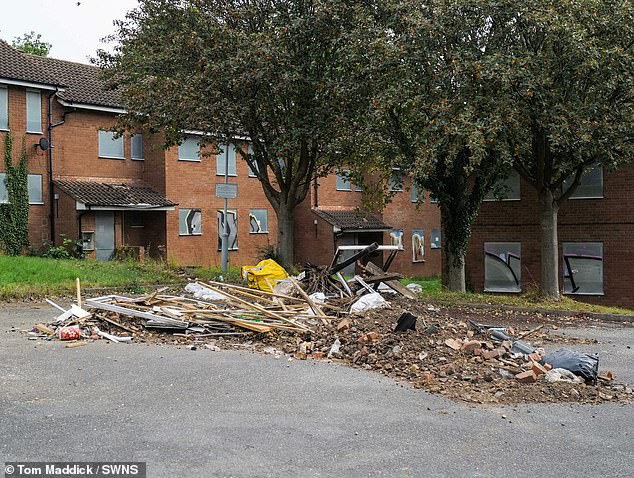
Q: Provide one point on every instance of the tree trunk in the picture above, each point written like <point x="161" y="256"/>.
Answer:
<point x="286" y="234"/>
<point x="549" y="277"/>
<point x="455" y="272"/>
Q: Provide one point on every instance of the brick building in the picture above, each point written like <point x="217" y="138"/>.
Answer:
<point x="596" y="249"/>
<point x="112" y="192"/>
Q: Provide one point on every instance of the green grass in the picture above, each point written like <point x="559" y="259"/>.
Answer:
<point x="430" y="284"/>
<point x="435" y="293"/>
<point x="24" y="277"/>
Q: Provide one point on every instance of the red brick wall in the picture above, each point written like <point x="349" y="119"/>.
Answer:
<point x="609" y="220"/>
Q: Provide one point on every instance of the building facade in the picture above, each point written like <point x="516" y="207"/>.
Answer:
<point x="595" y="232"/>
<point x="128" y="193"/>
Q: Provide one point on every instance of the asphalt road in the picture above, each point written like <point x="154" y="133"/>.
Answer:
<point x="202" y="413"/>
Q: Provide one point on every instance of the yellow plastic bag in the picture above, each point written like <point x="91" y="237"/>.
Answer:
<point x="265" y="273"/>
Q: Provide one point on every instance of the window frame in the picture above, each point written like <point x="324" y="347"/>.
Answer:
<point x="191" y="160"/>
<point x="29" y="94"/>
<point x="518" y="278"/>
<point x="395" y="172"/>
<point x="132" y="156"/>
<point x="4" y="93"/>
<point x="120" y="138"/>
<point x="267" y="221"/>
<point x="422" y="237"/>
<point x="431" y="239"/>
<point x="187" y="234"/>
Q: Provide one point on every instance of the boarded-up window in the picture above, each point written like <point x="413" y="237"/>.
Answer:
<point x="396" y="180"/>
<point x="33" y="111"/>
<point x="583" y="268"/>
<point x="258" y="221"/>
<point x="189" y="222"/>
<point x="221" y="158"/>
<point x="396" y="238"/>
<point x="4" y="108"/>
<point x="435" y="239"/>
<point x="189" y="149"/>
<point x="35" y="188"/>
<point x="136" y="146"/>
<point x="109" y="146"/>
<point x="4" y="191"/>
<point x="507" y="189"/>
<point x="343" y="182"/>
<point x="418" y="245"/>
<point x="502" y="266"/>
<point x="590" y="186"/>
<point x="232" y="228"/>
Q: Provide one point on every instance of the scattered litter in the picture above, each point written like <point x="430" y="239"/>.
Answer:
<point x="561" y="375"/>
<point x="415" y="288"/>
<point x="405" y="322"/>
<point x="368" y="302"/>
<point x="584" y="365"/>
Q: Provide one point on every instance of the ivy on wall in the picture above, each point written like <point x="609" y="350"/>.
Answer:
<point x="14" y="215"/>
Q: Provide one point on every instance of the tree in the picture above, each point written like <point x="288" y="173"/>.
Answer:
<point x="567" y="70"/>
<point x="276" y="71"/>
<point x="440" y="116"/>
<point x="32" y="43"/>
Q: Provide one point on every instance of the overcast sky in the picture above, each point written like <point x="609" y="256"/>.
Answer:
<point x="74" y="30"/>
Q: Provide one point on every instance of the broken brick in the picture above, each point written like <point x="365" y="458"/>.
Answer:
<point x="426" y="377"/>
<point x="538" y="368"/>
<point x="453" y="343"/>
<point x="547" y="366"/>
<point x="300" y="356"/>
<point x="368" y="338"/>
<point x="343" y="325"/>
<point x="318" y="355"/>
<point x="490" y="354"/>
<point x="470" y="346"/>
<point x="535" y="357"/>
<point x="526" y="377"/>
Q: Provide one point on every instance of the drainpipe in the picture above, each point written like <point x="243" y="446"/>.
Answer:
<point x="51" y="193"/>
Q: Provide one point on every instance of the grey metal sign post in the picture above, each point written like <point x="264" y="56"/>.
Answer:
<point x="225" y="232"/>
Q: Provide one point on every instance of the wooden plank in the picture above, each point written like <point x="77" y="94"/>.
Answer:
<point x="393" y="284"/>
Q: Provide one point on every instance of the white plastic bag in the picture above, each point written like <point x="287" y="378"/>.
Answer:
<point x="369" y="301"/>
<point x="203" y="293"/>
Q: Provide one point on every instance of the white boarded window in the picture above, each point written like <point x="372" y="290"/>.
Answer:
<point x="136" y="146"/>
<point x="583" y="268"/>
<point x="252" y="170"/>
<point x="221" y="159"/>
<point x="435" y="239"/>
<point x="33" y="111"/>
<point x="189" y="150"/>
<point x="590" y="186"/>
<point x="418" y="245"/>
<point x="4" y="108"/>
<point x="343" y="182"/>
<point x="396" y="238"/>
<point x="258" y="221"/>
<point x="4" y="191"/>
<point x="502" y="267"/>
<point x="416" y="197"/>
<point x="35" y="188"/>
<point x="190" y="222"/>
<point x="232" y="228"/>
<point x="109" y="146"/>
<point x="507" y="189"/>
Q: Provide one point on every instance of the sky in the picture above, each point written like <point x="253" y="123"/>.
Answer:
<point x="74" y="30"/>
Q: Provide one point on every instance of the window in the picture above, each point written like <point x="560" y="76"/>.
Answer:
<point x="4" y="191"/>
<point x="416" y="198"/>
<point x="109" y="146"/>
<point x="258" y="221"/>
<point x="507" y="189"/>
<point x="136" y="146"/>
<point x="88" y="241"/>
<point x="221" y="158"/>
<point x="252" y="171"/>
<point x="4" y="107"/>
<point x="583" y="268"/>
<point x="35" y="188"/>
<point x="190" y="222"/>
<point x="590" y="186"/>
<point x="189" y="150"/>
<point x="232" y="228"/>
<point x="134" y="219"/>
<point x="343" y="182"/>
<point x="396" y="181"/>
<point x="435" y="239"/>
<point x="502" y="267"/>
<point x="33" y="112"/>
<point x="396" y="238"/>
<point x="418" y="245"/>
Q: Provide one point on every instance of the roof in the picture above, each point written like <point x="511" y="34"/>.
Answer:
<point x="351" y="219"/>
<point x="15" y="65"/>
<point x="81" y="83"/>
<point x="103" y="194"/>
<point x="84" y="83"/>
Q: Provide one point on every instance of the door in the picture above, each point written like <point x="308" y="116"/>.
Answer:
<point x="104" y="235"/>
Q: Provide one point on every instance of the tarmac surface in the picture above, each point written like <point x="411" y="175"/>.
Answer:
<point x="202" y="413"/>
